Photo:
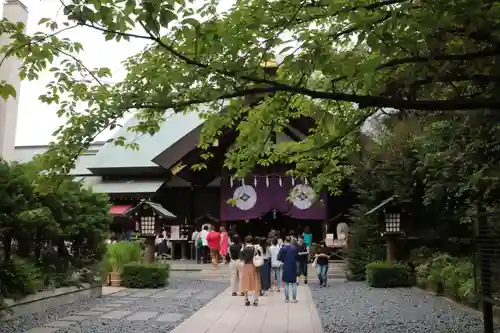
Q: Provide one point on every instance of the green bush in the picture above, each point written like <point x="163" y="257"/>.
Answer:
<point x="136" y="275"/>
<point x="384" y="274"/>
<point x="443" y="273"/>
<point x="431" y="274"/>
<point x="19" y="278"/>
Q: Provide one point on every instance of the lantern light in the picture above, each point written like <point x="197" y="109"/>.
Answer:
<point x="148" y="225"/>
<point x="392" y="223"/>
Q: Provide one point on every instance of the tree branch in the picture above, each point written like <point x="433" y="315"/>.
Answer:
<point x="490" y="52"/>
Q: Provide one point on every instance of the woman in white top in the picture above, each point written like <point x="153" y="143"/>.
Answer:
<point x="276" y="265"/>
<point x="265" y="269"/>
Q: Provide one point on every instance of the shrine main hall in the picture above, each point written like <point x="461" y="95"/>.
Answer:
<point x="160" y="172"/>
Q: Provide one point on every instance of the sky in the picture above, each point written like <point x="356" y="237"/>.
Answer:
<point x="37" y="121"/>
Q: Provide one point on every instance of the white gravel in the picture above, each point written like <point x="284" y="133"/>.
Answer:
<point x="355" y="307"/>
<point x="185" y="305"/>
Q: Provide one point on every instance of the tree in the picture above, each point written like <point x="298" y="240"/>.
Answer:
<point x="47" y="236"/>
<point x="341" y="62"/>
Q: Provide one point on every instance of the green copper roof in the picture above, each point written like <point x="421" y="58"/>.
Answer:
<point x="176" y="126"/>
<point x="122" y="187"/>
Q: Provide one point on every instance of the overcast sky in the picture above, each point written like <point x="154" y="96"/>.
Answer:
<point x="36" y="120"/>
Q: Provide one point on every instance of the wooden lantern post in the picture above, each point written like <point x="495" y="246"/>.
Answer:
<point x="391" y="233"/>
<point x="389" y="225"/>
<point x="147" y="230"/>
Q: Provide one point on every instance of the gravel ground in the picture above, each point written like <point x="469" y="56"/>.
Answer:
<point x="355" y="307"/>
<point x="188" y="296"/>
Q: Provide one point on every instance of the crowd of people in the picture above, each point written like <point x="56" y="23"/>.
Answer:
<point x="263" y="264"/>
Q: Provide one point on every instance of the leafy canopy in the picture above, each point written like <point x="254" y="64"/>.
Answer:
<point x="339" y="62"/>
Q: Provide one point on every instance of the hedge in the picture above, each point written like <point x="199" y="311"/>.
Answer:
<point x="384" y="274"/>
<point x="137" y="275"/>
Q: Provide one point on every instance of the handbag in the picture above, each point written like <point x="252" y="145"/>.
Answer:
<point x="257" y="259"/>
<point x="315" y="262"/>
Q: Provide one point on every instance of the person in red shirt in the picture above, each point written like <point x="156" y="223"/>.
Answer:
<point x="213" y="240"/>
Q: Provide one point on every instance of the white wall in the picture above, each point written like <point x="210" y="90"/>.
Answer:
<point x="15" y="11"/>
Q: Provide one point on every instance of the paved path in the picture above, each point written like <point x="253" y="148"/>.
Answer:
<point x="227" y="314"/>
<point x="126" y="311"/>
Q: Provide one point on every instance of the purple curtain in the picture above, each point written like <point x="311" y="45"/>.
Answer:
<point x="256" y="196"/>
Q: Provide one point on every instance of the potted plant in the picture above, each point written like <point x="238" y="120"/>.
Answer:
<point x="118" y="255"/>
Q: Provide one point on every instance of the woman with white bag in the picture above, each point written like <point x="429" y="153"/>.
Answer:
<point x="250" y="279"/>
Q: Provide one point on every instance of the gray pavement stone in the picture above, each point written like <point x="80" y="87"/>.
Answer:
<point x="145" y="293"/>
<point x="61" y="323"/>
<point x="90" y="313"/>
<point x="206" y="295"/>
<point x="74" y="318"/>
<point x="170" y="317"/>
<point x="114" y="305"/>
<point x="142" y="315"/>
<point x="42" y="330"/>
<point x="116" y="314"/>
<point x="103" y="309"/>
<point x="166" y="293"/>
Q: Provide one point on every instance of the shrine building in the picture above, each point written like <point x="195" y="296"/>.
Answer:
<point x="160" y="172"/>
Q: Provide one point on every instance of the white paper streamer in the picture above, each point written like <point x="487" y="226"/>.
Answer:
<point x="255" y="181"/>
<point x="306" y="182"/>
<point x="293" y="181"/>
<point x="231" y="181"/>
<point x="280" y="182"/>
<point x="267" y="181"/>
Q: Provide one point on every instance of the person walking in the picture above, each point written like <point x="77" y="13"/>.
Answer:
<point x="224" y="244"/>
<point x="265" y="269"/>
<point x="204" y="244"/>
<point x="213" y="241"/>
<point x="276" y="265"/>
<point x="249" y="277"/>
<point x="288" y="256"/>
<point x="235" y="265"/>
<point x="321" y="261"/>
<point x="302" y="259"/>
<point x="308" y="238"/>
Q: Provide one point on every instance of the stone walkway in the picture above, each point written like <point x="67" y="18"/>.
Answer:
<point x="227" y="314"/>
<point x="185" y="307"/>
<point x="131" y="310"/>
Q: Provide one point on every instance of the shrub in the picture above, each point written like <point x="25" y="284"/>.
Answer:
<point x="137" y="275"/>
<point x="435" y="278"/>
<point x="384" y="274"/>
<point x="19" y="278"/>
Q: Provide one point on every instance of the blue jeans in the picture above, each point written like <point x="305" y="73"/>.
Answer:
<point x="276" y="276"/>
<point x="289" y="285"/>
<point x="322" y="273"/>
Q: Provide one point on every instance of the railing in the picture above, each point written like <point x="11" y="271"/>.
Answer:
<point x="487" y="264"/>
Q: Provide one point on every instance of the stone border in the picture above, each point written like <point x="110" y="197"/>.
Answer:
<point x="45" y="300"/>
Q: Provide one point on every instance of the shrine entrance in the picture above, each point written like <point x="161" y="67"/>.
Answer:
<point x="260" y="227"/>
<point x="257" y="204"/>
